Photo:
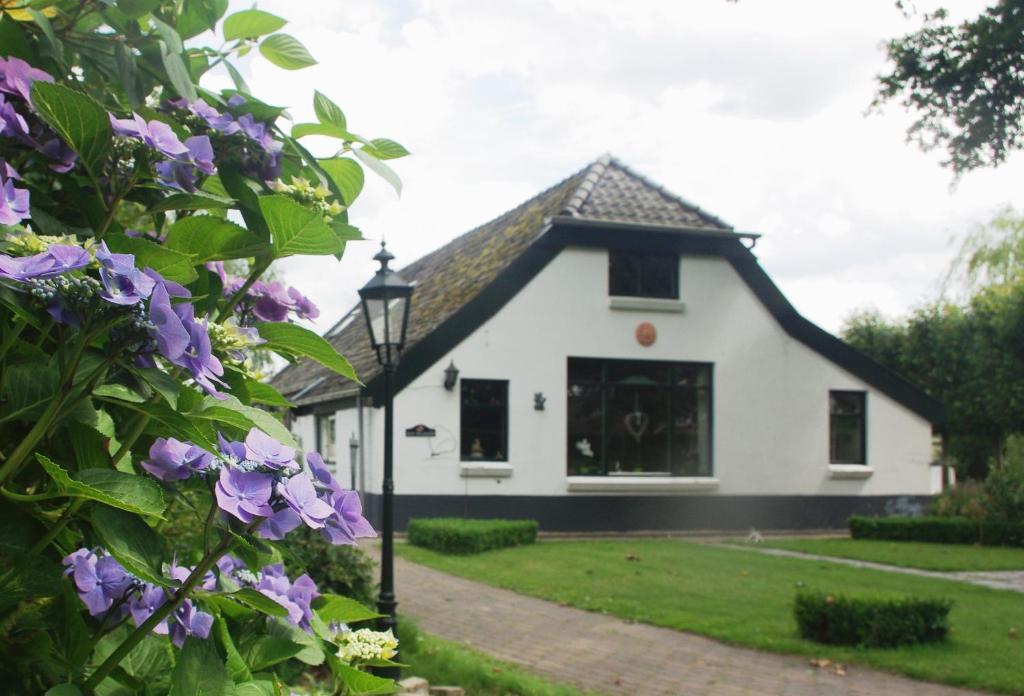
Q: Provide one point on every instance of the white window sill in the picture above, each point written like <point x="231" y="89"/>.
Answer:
<point x="646" y="304"/>
<point x="485" y="470"/>
<point x="641" y="484"/>
<point x="849" y="471"/>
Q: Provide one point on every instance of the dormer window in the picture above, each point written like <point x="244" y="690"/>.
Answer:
<point x="642" y="274"/>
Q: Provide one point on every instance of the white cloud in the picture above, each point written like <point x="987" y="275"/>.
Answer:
<point x="754" y="111"/>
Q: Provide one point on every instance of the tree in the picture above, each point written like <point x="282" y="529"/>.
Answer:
<point x="969" y="357"/>
<point x="124" y="388"/>
<point x="966" y="84"/>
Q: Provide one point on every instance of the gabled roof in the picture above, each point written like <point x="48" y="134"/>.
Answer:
<point x="605" y="205"/>
<point x="449" y="278"/>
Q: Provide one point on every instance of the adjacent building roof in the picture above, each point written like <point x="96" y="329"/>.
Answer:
<point x="447" y="279"/>
<point x="465" y="282"/>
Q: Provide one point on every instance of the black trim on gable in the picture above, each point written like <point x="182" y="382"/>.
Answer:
<point x="684" y="241"/>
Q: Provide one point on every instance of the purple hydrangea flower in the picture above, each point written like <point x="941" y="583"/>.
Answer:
<point x="200" y="153"/>
<point x="229" y="564"/>
<point x="348" y="523"/>
<point x="99" y="580"/>
<point x="321" y="472"/>
<point x="14" y="203"/>
<point x="304" y="307"/>
<point x="279" y="524"/>
<point x="12" y="124"/>
<point x="63" y="157"/>
<point x="189" y="621"/>
<point x="244" y="494"/>
<point x="17" y="76"/>
<point x="57" y="259"/>
<point x="183" y="340"/>
<point x="272" y="301"/>
<point x="232" y="450"/>
<point x="123" y="283"/>
<point x="261" y="448"/>
<point x="299" y="493"/>
<point x="173" y="460"/>
<point x="275" y="585"/>
<point x="181" y="173"/>
<point x="302" y="592"/>
<point x="151" y="598"/>
<point x="157" y="135"/>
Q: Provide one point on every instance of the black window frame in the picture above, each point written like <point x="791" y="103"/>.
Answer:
<point x="641" y="259"/>
<point x="466" y="383"/>
<point x="862" y="417"/>
<point x="606" y="384"/>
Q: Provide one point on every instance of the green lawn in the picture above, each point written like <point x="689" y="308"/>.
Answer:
<point x="444" y="663"/>
<point x="743" y="597"/>
<point x="945" y="557"/>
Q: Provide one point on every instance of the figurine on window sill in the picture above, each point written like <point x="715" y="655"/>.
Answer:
<point x="476" y="450"/>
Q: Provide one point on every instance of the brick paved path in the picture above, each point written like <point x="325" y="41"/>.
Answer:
<point x="612" y="656"/>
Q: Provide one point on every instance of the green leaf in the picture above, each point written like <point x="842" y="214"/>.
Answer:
<point x="72" y="639"/>
<point x="169" y="35"/>
<point x="171" y="264"/>
<point x="79" y="119"/>
<point x="131" y="541"/>
<point x="191" y="201"/>
<point x="178" y="73"/>
<point x="266" y="651"/>
<point x="236" y="666"/>
<point x="244" y="190"/>
<point x="258" y="601"/>
<point x="248" y="24"/>
<point x="286" y="52"/>
<point x="327" y="111"/>
<point x="25" y="577"/>
<point x="53" y="43"/>
<point x="301" y="130"/>
<point x="207" y="238"/>
<point x="384" y="149"/>
<point x="233" y="412"/>
<point x="200" y="671"/>
<point x="361" y="683"/>
<point x="256" y="688"/>
<point x="119" y="392"/>
<point x="27" y="390"/>
<point x="129" y="492"/>
<point x="64" y="690"/>
<point x="311" y="652"/>
<point x="161" y="382"/>
<point x="346" y="174"/>
<point x="294" y="340"/>
<point x="295" y="229"/>
<point x="332" y="607"/>
<point x="198" y="16"/>
<point x="134" y="9"/>
<point x="236" y="77"/>
<point x="382" y="170"/>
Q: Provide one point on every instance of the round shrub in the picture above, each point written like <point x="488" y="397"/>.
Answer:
<point x="871" y="622"/>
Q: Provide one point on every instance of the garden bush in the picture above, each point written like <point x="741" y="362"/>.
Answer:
<point x="871" y="622"/>
<point x="940" y="530"/>
<point x="461" y="536"/>
<point x="148" y="494"/>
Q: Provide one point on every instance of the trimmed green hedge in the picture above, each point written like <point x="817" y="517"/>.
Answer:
<point x="943" y="530"/>
<point x="871" y="622"/>
<point x="461" y="536"/>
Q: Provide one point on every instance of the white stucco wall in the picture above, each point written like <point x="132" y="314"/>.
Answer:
<point x="770" y="392"/>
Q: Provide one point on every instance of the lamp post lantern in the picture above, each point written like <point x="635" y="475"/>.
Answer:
<point x="385" y="299"/>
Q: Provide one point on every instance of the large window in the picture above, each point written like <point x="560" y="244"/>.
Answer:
<point x="638" y="274"/>
<point x="326" y="438"/>
<point x="847" y="431"/>
<point x="640" y="418"/>
<point x="484" y="420"/>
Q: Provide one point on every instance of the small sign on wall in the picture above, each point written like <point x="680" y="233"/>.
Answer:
<point x="420" y="431"/>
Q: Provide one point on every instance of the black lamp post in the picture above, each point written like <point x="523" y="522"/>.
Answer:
<point x="385" y="299"/>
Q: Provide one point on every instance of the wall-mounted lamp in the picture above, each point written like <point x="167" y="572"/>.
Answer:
<point x="539" y="401"/>
<point x="451" y="376"/>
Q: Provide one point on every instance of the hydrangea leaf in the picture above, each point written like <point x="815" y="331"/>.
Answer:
<point x="171" y="264"/>
<point x="117" y="489"/>
<point x="200" y="671"/>
<point x="296" y="229"/>
<point x="332" y="607"/>
<point x="346" y="174"/>
<point x="286" y="52"/>
<point x="249" y="24"/>
<point x="131" y="541"/>
<point x="293" y="340"/>
<point x="207" y="238"/>
<point x="79" y="119"/>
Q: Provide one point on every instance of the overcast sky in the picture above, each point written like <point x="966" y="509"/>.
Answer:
<point x="754" y="110"/>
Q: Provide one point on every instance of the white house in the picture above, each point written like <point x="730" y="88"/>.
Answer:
<point x="624" y="363"/>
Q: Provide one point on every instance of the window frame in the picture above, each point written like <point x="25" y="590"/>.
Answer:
<point x="604" y="383"/>
<point x="639" y="257"/>
<point x="863" y="418"/>
<point x="318" y="435"/>
<point x="504" y="438"/>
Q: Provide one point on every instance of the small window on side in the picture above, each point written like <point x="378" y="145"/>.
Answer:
<point x="641" y="274"/>
<point x="325" y="437"/>
<point x="484" y="420"/>
<point x="847" y="427"/>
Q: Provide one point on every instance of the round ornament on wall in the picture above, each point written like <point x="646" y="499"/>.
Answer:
<point x="646" y="334"/>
